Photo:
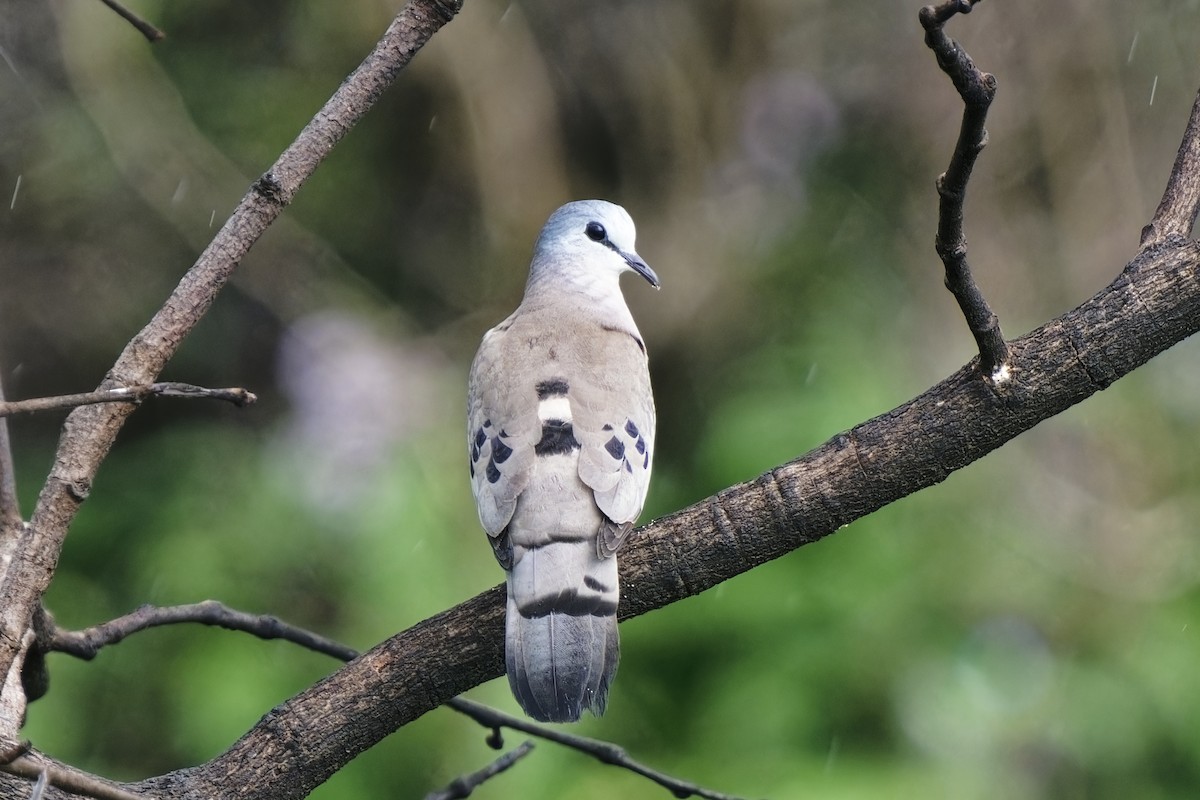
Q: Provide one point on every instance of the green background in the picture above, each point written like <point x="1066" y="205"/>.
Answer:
<point x="1026" y="629"/>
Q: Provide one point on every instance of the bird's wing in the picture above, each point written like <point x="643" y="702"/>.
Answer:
<point x="502" y="430"/>
<point x="614" y="421"/>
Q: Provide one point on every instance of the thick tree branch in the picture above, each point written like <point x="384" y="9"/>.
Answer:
<point x="89" y="432"/>
<point x="977" y="90"/>
<point x="126" y="394"/>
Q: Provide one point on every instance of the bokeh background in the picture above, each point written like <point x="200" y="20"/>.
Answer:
<point x="1030" y="628"/>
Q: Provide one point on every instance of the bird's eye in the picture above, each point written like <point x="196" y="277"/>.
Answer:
<point x="595" y="231"/>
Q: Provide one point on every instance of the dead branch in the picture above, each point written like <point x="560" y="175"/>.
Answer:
<point x="977" y="89"/>
<point x="127" y="394"/>
<point x="87" y="643"/>
<point x="151" y="33"/>
<point x="605" y="752"/>
<point x="11" y="520"/>
<point x="465" y="784"/>
<point x="33" y="766"/>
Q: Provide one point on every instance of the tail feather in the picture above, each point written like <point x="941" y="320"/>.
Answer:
<point x="561" y="644"/>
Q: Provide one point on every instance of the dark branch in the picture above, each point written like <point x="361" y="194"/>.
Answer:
<point x="151" y="33"/>
<point x="977" y="90"/>
<point x="87" y="643"/>
<point x="463" y="786"/>
<point x="1176" y="213"/>
<point x="43" y="771"/>
<point x="11" y="521"/>
<point x="605" y="752"/>
<point x="126" y="394"/>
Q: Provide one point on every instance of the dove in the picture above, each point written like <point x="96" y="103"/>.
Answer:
<point x="560" y="437"/>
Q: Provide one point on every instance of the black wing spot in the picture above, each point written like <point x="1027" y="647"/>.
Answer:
<point x="631" y="429"/>
<point x="558" y="437"/>
<point x="555" y="387"/>
<point x="640" y="446"/>
<point x="615" y="448"/>
<point x="500" y="451"/>
<point x="606" y="427"/>
<point x="493" y="474"/>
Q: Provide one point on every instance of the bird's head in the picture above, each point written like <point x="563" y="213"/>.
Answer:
<point x="589" y="240"/>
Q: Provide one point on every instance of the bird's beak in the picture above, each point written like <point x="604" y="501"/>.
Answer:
<point x="641" y="268"/>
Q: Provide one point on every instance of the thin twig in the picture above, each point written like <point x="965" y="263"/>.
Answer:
<point x="11" y="520"/>
<point x="463" y="785"/>
<point x="1176" y="213"/>
<point x="36" y="767"/>
<point x="151" y="33"/>
<point x="126" y="394"/>
<point x="605" y="752"/>
<point x="977" y="90"/>
<point x="87" y="643"/>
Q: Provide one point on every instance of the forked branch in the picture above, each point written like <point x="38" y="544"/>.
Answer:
<point x="87" y="643"/>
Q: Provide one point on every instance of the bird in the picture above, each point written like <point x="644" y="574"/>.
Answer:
<point x="560" y="440"/>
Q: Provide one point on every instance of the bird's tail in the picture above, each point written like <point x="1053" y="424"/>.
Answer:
<point x="561" y="642"/>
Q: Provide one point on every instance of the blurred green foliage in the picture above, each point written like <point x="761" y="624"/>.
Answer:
<point x="1027" y="629"/>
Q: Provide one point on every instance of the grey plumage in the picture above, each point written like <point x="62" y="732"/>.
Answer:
<point x="560" y="436"/>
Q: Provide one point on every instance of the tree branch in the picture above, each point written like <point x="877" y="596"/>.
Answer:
<point x="87" y="643"/>
<point x="11" y="520"/>
<point x="463" y="786"/>
<point x="43" y="771"/>
<point x="126" y="394"/>
<point x="1176" y="213"/>
<point x="151" y="33"/>
<point x="605" y="752"/>
<point x="89" y="432"/>
<point x="977" y="90"/>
